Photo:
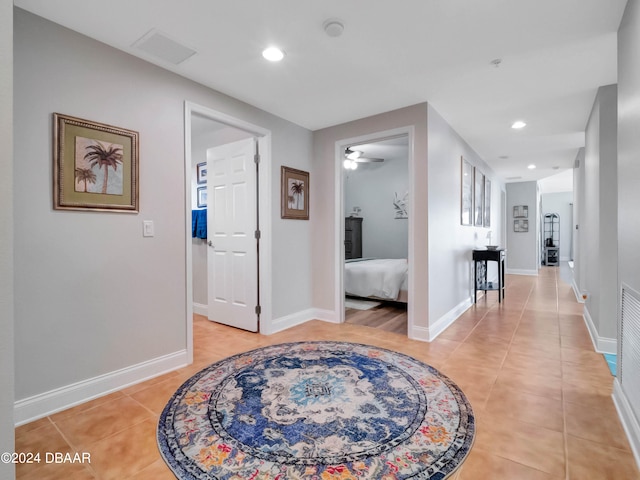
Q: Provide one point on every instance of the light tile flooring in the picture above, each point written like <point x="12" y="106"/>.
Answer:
<point x="541" y="395"/>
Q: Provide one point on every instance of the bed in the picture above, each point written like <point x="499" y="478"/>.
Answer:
<point x="379" y="278"/>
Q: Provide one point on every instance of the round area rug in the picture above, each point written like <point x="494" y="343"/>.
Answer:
<point x="316" y="411"/>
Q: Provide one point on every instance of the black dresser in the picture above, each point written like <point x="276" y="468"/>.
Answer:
<point x="352" y="237"/>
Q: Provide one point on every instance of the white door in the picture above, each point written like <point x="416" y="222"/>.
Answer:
<point x="232" y="260"/>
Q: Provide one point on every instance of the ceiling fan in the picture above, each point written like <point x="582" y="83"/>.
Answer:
<point x="353" y="157"/>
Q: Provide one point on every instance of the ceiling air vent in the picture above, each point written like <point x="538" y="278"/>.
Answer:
<point x="159" y="45"/>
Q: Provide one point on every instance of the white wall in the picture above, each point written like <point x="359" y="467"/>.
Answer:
<point x="372" y="187"/>
<point x="323" y="208"/>
<point x="93" y="296"/>
<point x="522" y="253"/>
<point x="598" y="230"/>
<point x="628" y="191"/>
<point x="450" y="243"/>
<point x="561" y="203"/>
<point x="6" y="236"/>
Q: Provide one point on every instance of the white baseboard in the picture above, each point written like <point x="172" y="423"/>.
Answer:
<point x="447" y="319"/>
<point x="518" y="271"/>
<point x="577" y="291"/>
<point x="628" y="419"/>
<point x="201" y="309"/>
<point x="601" y="344"/>
<point x="298" y="318"/>
<point x="419" y="333"/>
<point x="47" y="403"/>
<point x="325" y="315"/>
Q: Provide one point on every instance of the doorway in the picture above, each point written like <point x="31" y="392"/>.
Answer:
<point x="204" y="129"/>
<point x="233" y="240"/>
<point x="387" y="245"/>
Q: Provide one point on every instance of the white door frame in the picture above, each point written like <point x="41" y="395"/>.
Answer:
<point x="264" y="210"/>
<point x="409" y="131"/>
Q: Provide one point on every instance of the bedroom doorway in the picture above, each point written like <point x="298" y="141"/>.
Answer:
<point x="375" y="175"/>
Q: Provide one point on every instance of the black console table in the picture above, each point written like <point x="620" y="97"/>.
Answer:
<point x="480" y="281"/>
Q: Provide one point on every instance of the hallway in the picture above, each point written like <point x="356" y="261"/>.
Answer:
<point x="541" y="395"/>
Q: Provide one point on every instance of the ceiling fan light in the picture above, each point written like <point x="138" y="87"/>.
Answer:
<point x="353" y="154"/>
<point x="273" y="54"/>
<point x="347" y="164"/>
<point x="354" y="165"/>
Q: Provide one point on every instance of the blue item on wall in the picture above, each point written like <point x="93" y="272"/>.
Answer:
<point x="199" y="223"/>
<point x="612" y="362"/>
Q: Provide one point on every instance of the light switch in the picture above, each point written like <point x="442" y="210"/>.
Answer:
<point x="147" y="228"/>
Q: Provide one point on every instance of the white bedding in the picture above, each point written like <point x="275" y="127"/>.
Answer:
<point x="379" y="278"/>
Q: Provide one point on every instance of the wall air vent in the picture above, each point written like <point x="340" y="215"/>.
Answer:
<point x="159" y="45"/>
<point x="629" y="347"/>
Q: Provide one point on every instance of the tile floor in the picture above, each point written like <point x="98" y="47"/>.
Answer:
<point x="541" y="395"/>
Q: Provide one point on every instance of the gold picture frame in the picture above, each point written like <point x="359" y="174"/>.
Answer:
<point x="95" y="166"/>
<point x="294" y="203"/>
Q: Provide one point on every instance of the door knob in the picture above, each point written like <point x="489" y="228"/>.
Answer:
<point x="210" y="243"/>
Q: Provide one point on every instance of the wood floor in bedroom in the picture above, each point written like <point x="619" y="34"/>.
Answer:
<point x="388" y="316"/>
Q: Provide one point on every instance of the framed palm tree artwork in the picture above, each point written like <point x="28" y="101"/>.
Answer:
<point x="295" y="194"/>
<point x="95" y="166"/>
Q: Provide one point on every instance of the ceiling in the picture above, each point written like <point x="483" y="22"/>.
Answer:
<point x="554" y="55"/>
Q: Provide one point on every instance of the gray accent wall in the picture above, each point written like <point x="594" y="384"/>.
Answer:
<point x="92" y="296"/>
<point x="6" y="237"/>
<point x="523" y="254"/>
<point x="579" y="256"/>
<point x="629" y="146"/>
<point x="628" y="202"/>
<point x="598" y="232"/>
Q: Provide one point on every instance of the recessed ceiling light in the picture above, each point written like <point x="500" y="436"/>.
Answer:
<point x="273" y="54"/>
<point x="519" y="124"/>
<point x="531" y="167"/>
<point x="503" y="157"/>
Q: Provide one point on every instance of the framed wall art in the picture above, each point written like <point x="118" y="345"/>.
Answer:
<point x="466" y="193"/>
<point x="294" y="203"/>
<point x="95" y="166"/>
<point x="487" y="202"/>
<point x="520" y="225"/>
<point x="478" y="198"/>
<point x="201" y="173"/>
<point x="521" y="211"/>
<point x="202" y="197"/>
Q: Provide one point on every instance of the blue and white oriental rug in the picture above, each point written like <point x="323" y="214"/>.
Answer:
<point x="316" y="411"/>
